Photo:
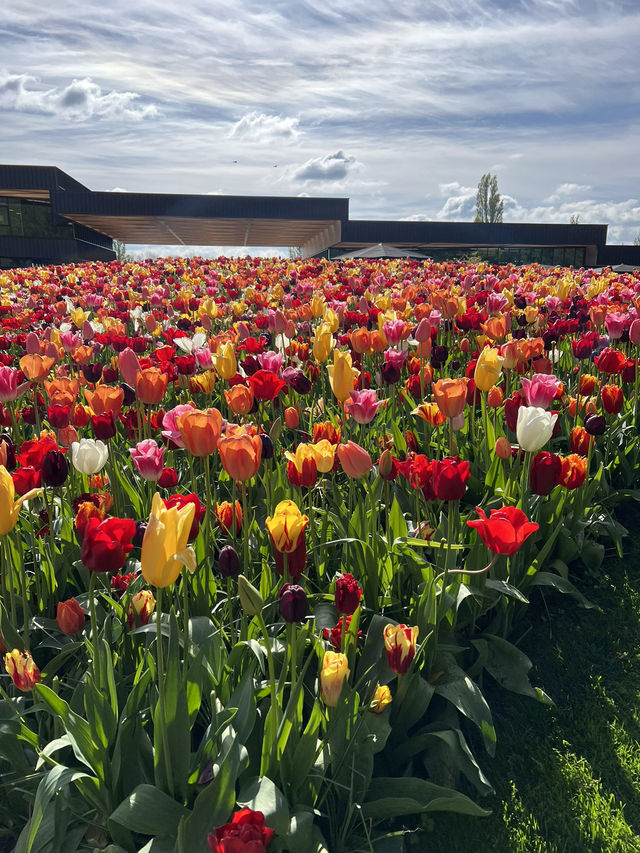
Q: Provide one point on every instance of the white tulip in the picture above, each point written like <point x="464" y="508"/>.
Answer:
<point x="89" y="456"/>
<point x="534" y="427"/>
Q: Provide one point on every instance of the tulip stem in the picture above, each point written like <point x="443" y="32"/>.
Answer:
<point x="160" y="673"/>
<point x="25" y="602"/>
<point x="185" y="619"/>
<point x="524" y="481"/>
<point x="94" y="627"/>
<point x="485" y="424"/>
<point x="245" y="528"/>
<point x="292" y="645"/>
<point x="271" y="669"/>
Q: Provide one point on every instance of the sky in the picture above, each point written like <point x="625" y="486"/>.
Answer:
<point x="399" y="107"/>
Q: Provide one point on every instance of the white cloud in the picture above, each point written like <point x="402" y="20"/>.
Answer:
<point x="80" y="99"/>
<point x="258" y="127"/>
<point x="327" y="169"/>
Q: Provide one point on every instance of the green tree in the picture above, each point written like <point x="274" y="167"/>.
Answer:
<point x="489" y="204"/>
<point x="121" y="251"/>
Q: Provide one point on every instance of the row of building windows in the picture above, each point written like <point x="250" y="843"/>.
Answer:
<point x="22" y="218"/>
<point x="560" y="256"/>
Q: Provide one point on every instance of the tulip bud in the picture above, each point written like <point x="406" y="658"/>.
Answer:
<point x="250" y="599"/>
<point x="495" y="397"/>
<point x="381" y="698"/>
<point x="465" y="345"/>
<point x="276" y="430"/>
<point x="228" y="562"/>
<point x="70" y="617"/>
<point x="503" y="448"/>
<point x="293" y="603"/>
<point x="387" y="468"/>
<point x="347" y="594"/>
<point x="22" y="669"/>
<point x="291" y="417"/>
<point x="267" y="445"/>
<point x="595" y="425"/>
<point x="54" y="468"/>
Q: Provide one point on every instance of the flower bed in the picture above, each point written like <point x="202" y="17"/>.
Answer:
<point x="266" y="526"/>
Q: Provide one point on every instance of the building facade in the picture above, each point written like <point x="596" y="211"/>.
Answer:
<point x="47" y="217"/>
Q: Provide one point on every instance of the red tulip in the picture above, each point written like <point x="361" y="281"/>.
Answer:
<point x="505" y="530"/>
<point x="449" y="478"/>
<point x="106" y="543"/>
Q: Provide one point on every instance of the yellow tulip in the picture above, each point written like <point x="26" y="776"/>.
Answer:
<point x="325" y="454"/>
<point x="225" y="360"/>
<point x="342" y="375"/>
<point x="203" y="382"/>
<point x="381" y="698"/>
<point x="322" y="343"/>
<point x="79" y="316"/>
<point x="164" y="547"/>
<point x="9" y="507"/>
<point x="335" y="669"/>
<point x="488" y="369"/>
<point x="286" y="526"/>
<point x="317" y="305"/>
<point x="331" y="319"/>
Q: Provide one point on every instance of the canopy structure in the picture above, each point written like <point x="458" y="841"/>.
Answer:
<point x="48" y="217"/>
<point x="382" y="250"/>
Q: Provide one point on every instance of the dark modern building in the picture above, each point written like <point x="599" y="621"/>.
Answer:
<point x="47" y="217"/>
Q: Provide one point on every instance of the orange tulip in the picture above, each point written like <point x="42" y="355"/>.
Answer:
<point x="588" y="384"/>
<point x="451" y="396"/>
<point x="200" y="431"/>
<point x="354" y="459"/>
<point x="361" y="341"/>
<point x="240" y="455"/>
<point x="495" y="397"/>
<point x="239" y="399"/>
<point x="36" y="367"/>
<point x="495" y="327"/>
<point x="579" y="440"/>
<point x="151" y="385"/>
<point x="105" y="399"/>
<point x="573" y="472"/>
<point x="430" y="412"/>
<point x="225" y="515"/>
<point x="82" y="354"/>
<point x="62" y="391"/>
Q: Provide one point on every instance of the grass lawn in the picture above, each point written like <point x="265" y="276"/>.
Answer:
<point x="567" y="778"/>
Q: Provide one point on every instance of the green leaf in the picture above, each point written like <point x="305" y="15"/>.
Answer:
<point x="397" y="523"/>
<point x="55" y="780"/>
<point x="215" y="803"/>
<point x="78" y="730"/>
<point x="149" y="811"/>
<point x="171" y="724"/>
<point x="509" y="666"/>
<point x="456" y="686"/>
<point x="563" y="585"/>
<point x="504" y="588"/>
<point x="261" y="795"/>
<point x="393" y="797"/>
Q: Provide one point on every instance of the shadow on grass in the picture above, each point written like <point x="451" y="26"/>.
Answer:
<point x="567" y="778"/>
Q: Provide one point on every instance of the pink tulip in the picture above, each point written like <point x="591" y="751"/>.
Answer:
<point x="396" y="357"/>
<point x="169" y="422"/>
<point x="615" y="322"/>
<point x="203" y="357"/>
<point x="363" y="406"/>
<point x="271" y="361"/>
<point x="496" y="302"/>
<point x="276" y="321"/>
<point x="70" y="340"/>
<point x="540" y="390"/>
<point x="9" y="388"/>
<point x="634" y="332"/>
<point x="394" y="331"/>
<point x="129" y="366"/>
<point x="423" y="331"/>
<point x="354" y="459"/>
<point x="148" y="459"/>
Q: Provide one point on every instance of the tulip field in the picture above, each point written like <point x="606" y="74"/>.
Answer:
<point x="269" y="528"/>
